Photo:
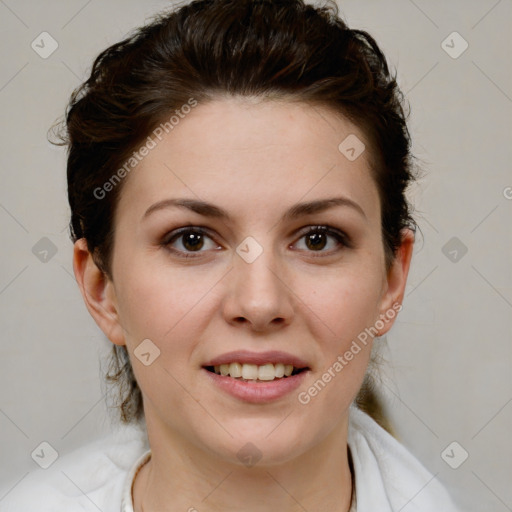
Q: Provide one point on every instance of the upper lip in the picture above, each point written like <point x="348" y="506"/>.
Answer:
<point x="258" y="358"/>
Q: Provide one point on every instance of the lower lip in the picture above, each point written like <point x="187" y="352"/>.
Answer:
<point x="257" y="392"/>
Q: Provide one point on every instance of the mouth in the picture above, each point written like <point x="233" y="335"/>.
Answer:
<point x="257" y="377"/>
<point x="246" y="372"/>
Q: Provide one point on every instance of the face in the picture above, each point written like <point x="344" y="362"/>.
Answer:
<point x="243" y="272"/>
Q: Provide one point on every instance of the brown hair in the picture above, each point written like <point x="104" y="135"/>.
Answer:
<point x="280" y="49"/>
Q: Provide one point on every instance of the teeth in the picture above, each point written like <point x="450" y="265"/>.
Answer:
<point x="249" y="371"/>
<point x="265" y="372"/>
<point x="235" y="370"/>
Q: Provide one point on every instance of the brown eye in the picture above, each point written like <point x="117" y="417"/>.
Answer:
<point x="316" y="241"/>
<point x="318" y="238"/>
<point x="184" y="242"/>
<point x="192" y="241"/>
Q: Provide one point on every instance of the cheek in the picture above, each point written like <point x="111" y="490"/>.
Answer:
<point x="348" y="307"/>
<point x="156" y="301"/>
<point x="161" y="305"/>
<point x="345" y="302"/>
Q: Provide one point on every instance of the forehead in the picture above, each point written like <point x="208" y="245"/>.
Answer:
<point x="251" y="153"/>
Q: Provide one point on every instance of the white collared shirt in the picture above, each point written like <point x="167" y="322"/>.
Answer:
<point x="100" y="475"/>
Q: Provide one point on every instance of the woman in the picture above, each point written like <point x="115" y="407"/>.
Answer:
<point x="236" y="175"/>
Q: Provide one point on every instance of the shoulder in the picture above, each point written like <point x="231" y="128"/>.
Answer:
<point x="386" y="472"/>
<point x="89" y="478"/>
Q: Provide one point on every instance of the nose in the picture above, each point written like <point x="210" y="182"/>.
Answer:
<point x="258" y="294"/>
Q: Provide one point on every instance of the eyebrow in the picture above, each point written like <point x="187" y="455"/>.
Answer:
<point x="297" y="210"/>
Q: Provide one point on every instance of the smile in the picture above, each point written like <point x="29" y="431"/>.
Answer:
<point x="247" y="371"/>
<point x="257" y="377"/>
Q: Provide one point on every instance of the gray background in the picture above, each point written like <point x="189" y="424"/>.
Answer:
<point x="448" y="376"/>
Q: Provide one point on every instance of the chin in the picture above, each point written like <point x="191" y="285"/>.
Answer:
<point x="263" y="446"/>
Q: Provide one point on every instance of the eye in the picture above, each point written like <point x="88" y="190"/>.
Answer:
<point x="316" y="238"/>
<point x="186" y="241"/>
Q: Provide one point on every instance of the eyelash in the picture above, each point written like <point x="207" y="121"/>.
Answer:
<point x="340" y="237"/>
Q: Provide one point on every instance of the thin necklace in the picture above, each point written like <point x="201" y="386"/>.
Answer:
<point x="352" y="481"/>
<point x="146" y="487"/>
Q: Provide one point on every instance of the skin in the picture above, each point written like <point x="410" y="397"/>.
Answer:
<point x="254" y="159"/>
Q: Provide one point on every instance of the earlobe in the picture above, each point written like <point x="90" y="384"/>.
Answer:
<point x="397" y="280"/>
<point x="98" y="292"/>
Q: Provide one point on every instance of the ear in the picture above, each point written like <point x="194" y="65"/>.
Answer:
<point x="394" y="290"/>
<point x="98" y="293"/>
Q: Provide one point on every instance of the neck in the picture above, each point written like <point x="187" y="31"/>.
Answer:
<point x="182" y="477"/>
